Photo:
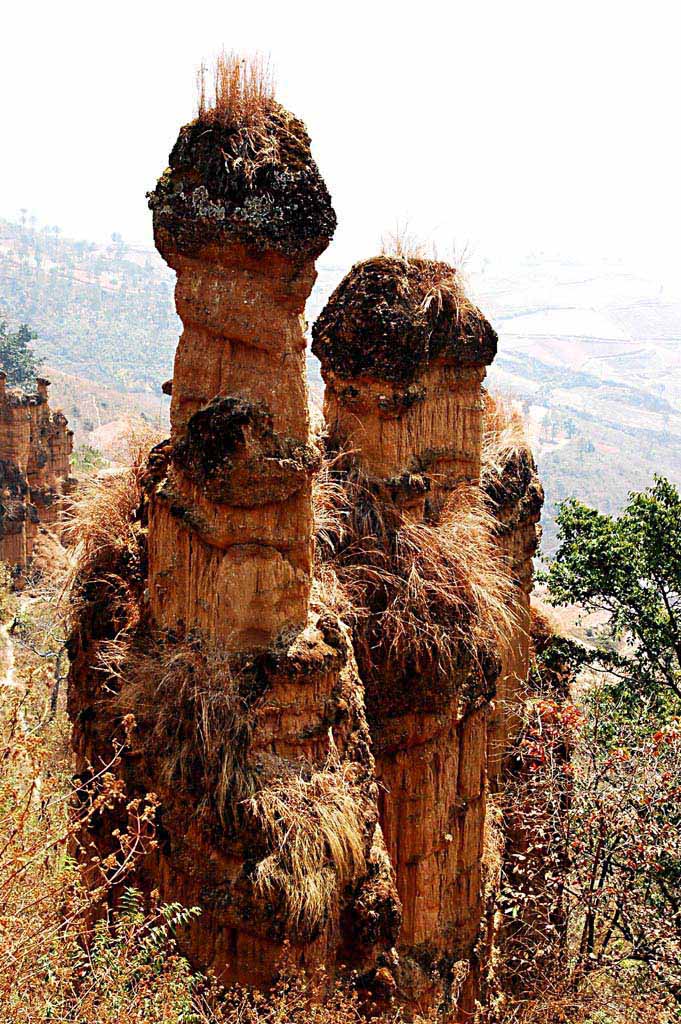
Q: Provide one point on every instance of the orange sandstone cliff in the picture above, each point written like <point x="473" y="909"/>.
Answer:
<point x="35" y="453"/>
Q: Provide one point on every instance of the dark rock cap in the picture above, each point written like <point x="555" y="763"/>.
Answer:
<point x="515" y="484"/>
<point x="390" y="316"/>
<point x="232" y="452"/>
<point x="258" y="185"/>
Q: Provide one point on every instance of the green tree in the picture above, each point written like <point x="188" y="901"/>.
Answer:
<point x="17" y="358"/>
<point x="628" y="567"/>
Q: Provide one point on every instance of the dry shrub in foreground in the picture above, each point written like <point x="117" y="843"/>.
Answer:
<point x="242" y="90"/>
<point x="314" y="826"/>
<point x="44" y="905"/>
<point x="417" y="593"/>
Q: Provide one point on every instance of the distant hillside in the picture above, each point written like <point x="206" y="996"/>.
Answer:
<point x="590" y="350"/>
<point x="98" y="414"/>
<point x="104" y="313"/>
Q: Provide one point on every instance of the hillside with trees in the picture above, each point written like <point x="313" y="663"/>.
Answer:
<point x="588" y="351"/>
<point x="101" y="312"/>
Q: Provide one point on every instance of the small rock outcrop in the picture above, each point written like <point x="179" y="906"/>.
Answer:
<point x="35" y="454"/>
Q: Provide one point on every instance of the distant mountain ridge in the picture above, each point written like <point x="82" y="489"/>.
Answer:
<point x="590" y="350"/>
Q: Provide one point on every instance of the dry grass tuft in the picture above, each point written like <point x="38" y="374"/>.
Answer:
<point x="315" y="829"/>
<point x="493" y="848"/>
<point x="100" y="517"/>
<point x="446" y="288"/>
<point x="190" y="712"/>
<point x="404" y="245"/>
<point x="242" y="90"/>
<point x="417" y="593"/>
<point x="504" y="437"/>
<point x="439" y="283"/>
<point x="444" y="284"/>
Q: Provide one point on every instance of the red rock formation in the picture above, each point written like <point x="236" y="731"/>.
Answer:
<point x="294" y="788"/>
<point x="272" y="824"/>
<point x="35" y="451"/>
<point x="403" y="356"/>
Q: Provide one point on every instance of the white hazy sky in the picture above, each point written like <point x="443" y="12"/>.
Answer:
<point x="507" y="125"/>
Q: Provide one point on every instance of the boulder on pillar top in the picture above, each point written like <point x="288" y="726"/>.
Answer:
<point x="390" y="317"/>
<point x="243" y="176"/>
<point x="403" y="354"/>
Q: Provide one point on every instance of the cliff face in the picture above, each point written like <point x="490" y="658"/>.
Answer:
<point x="35" y="451"/>
<point x="318" y="722"/>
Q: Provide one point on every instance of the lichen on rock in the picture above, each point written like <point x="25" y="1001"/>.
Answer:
<point x="261" y="187"/>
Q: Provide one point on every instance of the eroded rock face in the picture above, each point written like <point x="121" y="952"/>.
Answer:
<point x="272" y="825"/>
<point x="232" y="516"/>
<point x="403" y="357"/>
<point x="312" y="788"/>
<point x="35" y="454"/>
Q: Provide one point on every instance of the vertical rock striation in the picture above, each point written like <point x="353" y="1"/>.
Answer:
<point x="403" y="356"/>
<point x="35" y="452"/>
<point x="250" y="714"/>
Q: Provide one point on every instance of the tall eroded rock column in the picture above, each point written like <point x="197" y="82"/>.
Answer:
<point x="230" y="528"/>
<point x="403" y="355"/>
<point x="249" y="714"/>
